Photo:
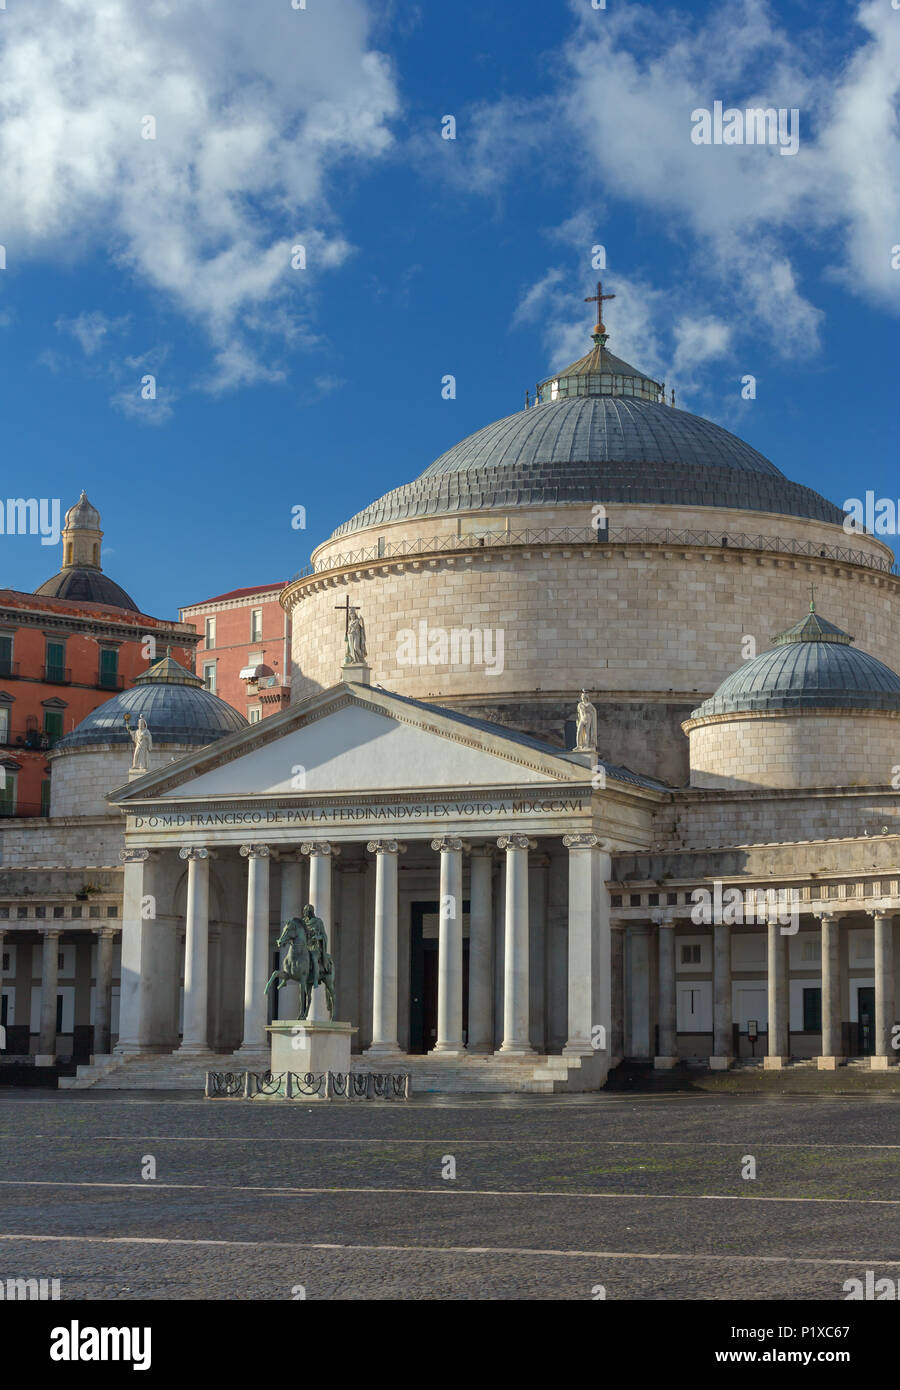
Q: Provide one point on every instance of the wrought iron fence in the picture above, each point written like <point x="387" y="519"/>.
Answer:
<point x="369" y="1085"/>
<point x="612" y="535"/>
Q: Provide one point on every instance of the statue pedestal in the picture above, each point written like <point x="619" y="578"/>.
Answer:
<point x="360" y="673"/>
<point x="300" y="1046"/>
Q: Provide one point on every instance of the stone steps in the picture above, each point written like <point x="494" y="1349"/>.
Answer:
<point x="488" y="1075"/>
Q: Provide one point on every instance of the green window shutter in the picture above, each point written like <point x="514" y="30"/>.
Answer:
<point x="812" y="1010"/>
<point x="6" y="648"/>
<point x="109" y="666"/>
<point x="56" y="660"/>
<point x="53" y="723"/>
<point x="45" y="797"/>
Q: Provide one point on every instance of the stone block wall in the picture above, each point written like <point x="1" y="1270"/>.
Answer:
<point x="843" y="748"/>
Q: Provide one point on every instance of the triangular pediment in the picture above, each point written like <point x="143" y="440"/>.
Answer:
<point x="353" y="739"/>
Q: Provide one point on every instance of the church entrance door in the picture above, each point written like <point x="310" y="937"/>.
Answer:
<point x="423" y="972"/>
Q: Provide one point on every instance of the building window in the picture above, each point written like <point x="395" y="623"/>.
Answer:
<point x="109" y="668"/>
<point x="255" y="624"/>
<point x="4" y="723"/>
<point x="812" y="950"/>
<point x="209" y="638"/>
<point x="812" y="1010"/>
<point x="254" y="714"/>
<point x="209" y="676"/>
<point x="55" y="659"/>
<point x="690" y="955"/>
<point x="7" y="792"/>
<point x="6" y="652"/>
<point x="53" y="724"/>
<point x="45" y="797"/>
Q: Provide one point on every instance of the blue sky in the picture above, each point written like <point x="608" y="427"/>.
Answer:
<point x="321" y="387"/>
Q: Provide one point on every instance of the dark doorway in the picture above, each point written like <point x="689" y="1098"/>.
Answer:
<point x="423" y="977"/>
<point x="866" y="1014"/>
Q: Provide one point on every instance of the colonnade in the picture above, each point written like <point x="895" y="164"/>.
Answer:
<point x="777" y="985"/>
<point x="588" y="943"/>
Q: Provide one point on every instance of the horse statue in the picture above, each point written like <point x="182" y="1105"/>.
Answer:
<point x="306" y="960"/>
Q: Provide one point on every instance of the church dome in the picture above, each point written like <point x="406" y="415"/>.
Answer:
<point x="81" y="579"/>
<point x="84" y="584"/>
<point x="599" y="432"/>
<point x="177" y="708"/>
<point x="812" y="666"/>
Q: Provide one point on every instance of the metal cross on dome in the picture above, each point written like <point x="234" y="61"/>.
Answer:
<point x="598" y="299"/>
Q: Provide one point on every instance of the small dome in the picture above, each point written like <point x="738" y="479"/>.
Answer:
<point x="84" y="584"/>
<point x="174" y="703"/>
<point x="811" y="666"/>
<point x="83" y="516"/>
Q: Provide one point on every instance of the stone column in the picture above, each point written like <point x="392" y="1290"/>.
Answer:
<point x="291" y="905"/>
<point x="777" y="1046"/>
<point x="723" y="1012"/>
<point x="148" y="993"/>
<point x="385" y="974"/>
<point x="616" y="992"/>
<point x="641" y="987"/>
<point x="321" y="855"/>
<point x="254" y="1043"/>
<point x="589" y="948"/>
<point x="449" y="1039"/>
<point x="832" y="1046"/>
<point x="103" y="992"/>
<point x="46" y="1053"/>
<point x="481" y="931"/>
<point x="884" y="1054"/>
<point x="515" y="947"/>
<point x="668" y="1017"/>
<point x="195" y="1032"/>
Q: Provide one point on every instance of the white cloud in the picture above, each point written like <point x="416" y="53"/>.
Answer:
<point x="255" y="108"/>
<point x="620" y="129"/>
<point x="90" y="329"/>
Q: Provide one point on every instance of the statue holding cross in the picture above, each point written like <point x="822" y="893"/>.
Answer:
<point x="354" y="634"/>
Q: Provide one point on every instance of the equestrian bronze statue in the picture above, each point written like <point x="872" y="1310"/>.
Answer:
<point x="306" y="960"/>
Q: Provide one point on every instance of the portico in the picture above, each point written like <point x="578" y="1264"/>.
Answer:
<point x="459" y="828"/>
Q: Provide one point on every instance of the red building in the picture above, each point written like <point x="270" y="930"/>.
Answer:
<point x="64" y="650"/>
<point x="244" y="654"/>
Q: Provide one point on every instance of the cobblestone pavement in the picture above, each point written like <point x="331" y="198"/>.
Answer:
<point x="552" y="1197"/>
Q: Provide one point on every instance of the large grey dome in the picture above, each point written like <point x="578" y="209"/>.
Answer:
<point x="598" y="448"/>
<point x="174" y="703"/>
<point x="812" y="666"/>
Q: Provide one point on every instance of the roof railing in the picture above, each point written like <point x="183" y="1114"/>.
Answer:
<point x="612" y="535"/>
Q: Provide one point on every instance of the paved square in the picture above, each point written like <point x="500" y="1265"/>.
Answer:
<point x="552" y="1198"/>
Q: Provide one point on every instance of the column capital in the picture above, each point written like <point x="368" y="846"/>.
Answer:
<point x="134" y="856"/>
<point x="516" y="842"/>
<point x="319" y="847"/>
<point x="50" y="931"/>
<point x="874" y="912"/>
<point x="106" y="931"/>
<point x="449" y="842"/>
<point x="827" y="914"/>
<point x="194" y="852"/>
<point x="660" y="917"/>
<point x="255" y="851"/>
<point x="581" y="841"/>
<point x="385" y="847"/>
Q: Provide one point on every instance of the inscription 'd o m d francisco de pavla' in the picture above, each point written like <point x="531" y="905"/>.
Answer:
<point x="426" y="810"/>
